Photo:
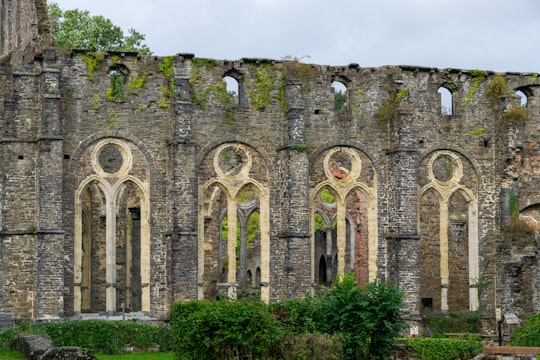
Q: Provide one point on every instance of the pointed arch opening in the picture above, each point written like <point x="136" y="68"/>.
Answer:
<point x="447" y="101"/>
<point x="430" y="254"/>
<point x="340" y="95"/>
<point x="448" y="228"/>
<point x="232" y="250"/>
<point x="523" y="99"/>
<point x="325" y="242"/>
<point x="112" y="235"/>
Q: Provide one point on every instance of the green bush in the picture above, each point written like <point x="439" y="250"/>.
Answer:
<point x="345" y="322"/>
<point x="7" y="338"/>
<point x="528" y="333"/>
<point x="367" y="319"/>
<point x="441" y="349"/>
<point x="455" y="322"/>
<point x="295" y="315"/>
<point x="308" y="347"/>
<point x="223" y="329"/>
<point x="107" y="337"/>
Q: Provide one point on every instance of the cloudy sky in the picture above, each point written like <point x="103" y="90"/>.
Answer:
<point x="498" y="35"/>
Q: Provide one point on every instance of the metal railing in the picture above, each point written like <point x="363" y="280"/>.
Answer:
<point x="6" y="322"/>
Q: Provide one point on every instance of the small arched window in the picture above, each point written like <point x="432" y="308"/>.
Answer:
<point x="235" y="88"/>
<point x="231" y="85"/>
<point x="446" y="101"/>
<point x="118" y="79"/>
<point x="522" y="98"/>
<point x="340" y="95"/>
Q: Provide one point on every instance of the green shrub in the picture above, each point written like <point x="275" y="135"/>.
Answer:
<point x="295" y="315"/>
<point x="108" y="337"/>
<point x="441" y="349"/>
<point x="223" y="329"/>
<point x="453" y="322"/>
<point x="528" y="333"/>
<point x="7" y="338"/>
<point x="366" y="318"/>
<point x="308" y="347"/>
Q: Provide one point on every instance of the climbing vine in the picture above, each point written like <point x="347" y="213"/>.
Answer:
<point x="226" y="98"/>
<point x="137" y="83"/>
<point x="496" y="88"/>
<point x="513" y="201"/>
<point x="282" y="98"/>
<point x="200" y="93"/>
<point x="261" y="88"/>
<point x="448" y="80"/>
<point x="477" y="132"/>
<point x="478" y="76"/>
<point x="93" y="61"/>
<point x="389" y="109"/>
<point x="166" y="67"/>
<point x="301" y="148"/>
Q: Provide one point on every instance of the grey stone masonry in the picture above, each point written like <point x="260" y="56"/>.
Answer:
<point x="269" y="185"/>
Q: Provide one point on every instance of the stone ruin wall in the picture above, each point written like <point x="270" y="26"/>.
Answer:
<point x="24" y="28"/>
<point x="177" y="152"/>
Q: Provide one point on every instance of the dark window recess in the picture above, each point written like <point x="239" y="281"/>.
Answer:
<point x="427" y="303"/>
<point x="20" y="157"/>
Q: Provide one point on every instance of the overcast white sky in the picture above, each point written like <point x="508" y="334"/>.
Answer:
<point x="498" y="35"/>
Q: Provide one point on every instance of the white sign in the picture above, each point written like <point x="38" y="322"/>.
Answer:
<point x="414" y="330"/>
<point x="498" y="314"/>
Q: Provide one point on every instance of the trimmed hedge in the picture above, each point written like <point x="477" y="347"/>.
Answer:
<point x="441" y="348"/>
<point x="345" y="322"/>
<point x="106" y="337"/>
<point x="223" y="329"/>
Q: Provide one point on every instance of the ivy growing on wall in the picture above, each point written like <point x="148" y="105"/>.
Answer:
<point x="166" y="67"/>
<point x="478" y="77"/>
<point x="389" y="109"/>
<point x="201" y="92"/>
<point x="498" y="88"/>
<point x="261" y="88"/>
<point x="93" y="61"/>
<point x="137" y="82"/>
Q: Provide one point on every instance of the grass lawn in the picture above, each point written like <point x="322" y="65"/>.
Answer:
<point x="138" y="356"/>
<point x="14" y="355"/>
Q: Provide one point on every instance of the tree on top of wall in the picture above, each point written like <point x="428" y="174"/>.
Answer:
<point x="78" y="29"/>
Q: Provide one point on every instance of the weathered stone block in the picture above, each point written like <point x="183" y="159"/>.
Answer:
<point x="33" y="346"/>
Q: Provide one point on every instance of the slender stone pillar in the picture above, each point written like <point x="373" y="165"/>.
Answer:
<point x="50" y="232"/>
<point x="298" y="237"/>
<point x="184" y="189"/>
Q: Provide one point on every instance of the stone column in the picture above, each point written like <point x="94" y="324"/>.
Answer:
<point x="110" y="255"/>
<point x="184" y="189"/>
<point x="403" y="207"/>
<point x="298" y="237"/>
<point x="50" y="232"/>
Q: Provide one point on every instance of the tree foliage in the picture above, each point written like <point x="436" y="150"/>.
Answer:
<point x="367" y="319"/>
<point x="346" y="322"/>
<point x="78" y="29"/>
<point x="528" y="334"/>
<point x="223" y="329"/>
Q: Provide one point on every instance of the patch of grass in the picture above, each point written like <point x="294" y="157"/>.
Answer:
<point x="135" y="356"/>
<point x="12" y="355"/>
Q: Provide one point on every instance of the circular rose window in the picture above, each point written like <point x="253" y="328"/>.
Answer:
<point x="110" y="159"/>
